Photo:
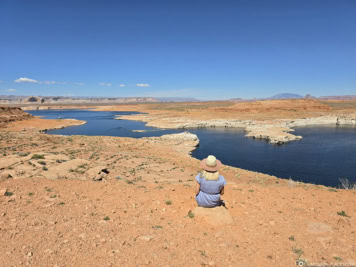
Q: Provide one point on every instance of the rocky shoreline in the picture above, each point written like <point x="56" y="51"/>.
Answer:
<point x="274" y="131"/>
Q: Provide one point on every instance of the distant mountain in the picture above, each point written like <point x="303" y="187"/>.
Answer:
<point x="286" y="96"/>
<point x="177" y="99"/>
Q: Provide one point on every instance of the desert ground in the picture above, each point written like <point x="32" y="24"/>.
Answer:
<point x="111" y="201"/>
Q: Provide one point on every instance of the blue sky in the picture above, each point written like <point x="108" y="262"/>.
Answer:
<point x="197" y="48"/>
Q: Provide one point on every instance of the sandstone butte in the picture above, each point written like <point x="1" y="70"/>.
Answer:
<point x="110" y="201"/>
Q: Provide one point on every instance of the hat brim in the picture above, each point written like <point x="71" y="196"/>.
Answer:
<point x="208" y="168"/>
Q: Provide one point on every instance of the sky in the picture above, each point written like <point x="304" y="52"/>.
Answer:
<point x="178" y="48"/>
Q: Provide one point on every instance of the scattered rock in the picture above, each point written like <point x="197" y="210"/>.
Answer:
<point x="97" y="173"/>
<point x="7" y="175"/>
<point x="3" y="191"/>
<point x="145" y="238"/>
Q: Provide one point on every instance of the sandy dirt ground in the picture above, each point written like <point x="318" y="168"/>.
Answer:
<point x="110" y="201"/>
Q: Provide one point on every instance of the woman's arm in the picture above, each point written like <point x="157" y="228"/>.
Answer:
<point x="197" y="188"/>
<point x="222" y="190"/>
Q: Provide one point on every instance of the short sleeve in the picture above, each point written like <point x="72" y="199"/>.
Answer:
<point x="198" y="178"/>
<point x="223" y="180"/>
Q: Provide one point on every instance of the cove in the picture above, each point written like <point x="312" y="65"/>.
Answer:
<point x="325" y="154"/>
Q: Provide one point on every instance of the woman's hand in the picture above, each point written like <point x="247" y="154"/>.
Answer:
<point x="222" y="191"/>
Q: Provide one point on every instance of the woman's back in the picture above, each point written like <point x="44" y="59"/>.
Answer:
<point x="209" y="195"/>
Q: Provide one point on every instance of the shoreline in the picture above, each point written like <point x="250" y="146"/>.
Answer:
<point x="190" y="143"/>
<point x="271" y="120"/>
<point x="42" y="125"/>
<point x="275" y="132"/>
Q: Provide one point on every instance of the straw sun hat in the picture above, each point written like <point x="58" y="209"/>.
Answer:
<point x="210" y="164"/>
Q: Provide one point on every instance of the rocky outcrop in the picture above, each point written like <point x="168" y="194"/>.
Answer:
<point x="33" y="100"/>
<point x="51" y="166"/>
<point x="72" y="169"/>
<point x="10" y="114"/>
<point x="341" y="119"/>
<point x="274" y="134"/>
<point x="182" y="142"/>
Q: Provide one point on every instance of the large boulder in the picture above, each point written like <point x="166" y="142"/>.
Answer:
<point x="97" y="173"/>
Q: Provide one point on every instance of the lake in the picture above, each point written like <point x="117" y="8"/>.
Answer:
<point x="325" y="154"/>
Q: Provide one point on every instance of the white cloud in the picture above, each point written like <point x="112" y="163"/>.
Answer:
<point x="143" y="85"/>
<point x="79" y="83"/>
<point x="48" y="82"/>
<point x="122" y="85"/>
<point x="11" y="90"/>
<point x="105" y="84"/>
<point x="25" y="80"/>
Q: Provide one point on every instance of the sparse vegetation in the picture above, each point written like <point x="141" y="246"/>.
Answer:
<point x="191" y="214"/>
<point x="42" y="162"/>
<point x="157" y="227"/>
<point x="342" y="213"/>
<point x="346" y="184"/>
<point x="202" y="253"/>
<point x="298" y="251"/>
<point x="37" y="156"/>
<point x="8" y="194"/>
<point x="106" y="218"/>
<point x="168" y="202"/>
<point x="338" y="258"/>
<point x="291" y="238"/>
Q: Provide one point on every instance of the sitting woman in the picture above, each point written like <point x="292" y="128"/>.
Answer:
<point x="210" y="185"/>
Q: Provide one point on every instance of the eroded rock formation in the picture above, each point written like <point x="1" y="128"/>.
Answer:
<point x="10" y="114"/>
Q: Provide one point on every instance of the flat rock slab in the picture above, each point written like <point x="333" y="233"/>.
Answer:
<point x="8" y="162"/>
<point x="66" y="169"/>
<point x="318" y="228"/>
<point x="215" y="216"/>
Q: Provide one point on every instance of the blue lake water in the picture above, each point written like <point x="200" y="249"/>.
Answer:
<point x="325" y="154"/>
